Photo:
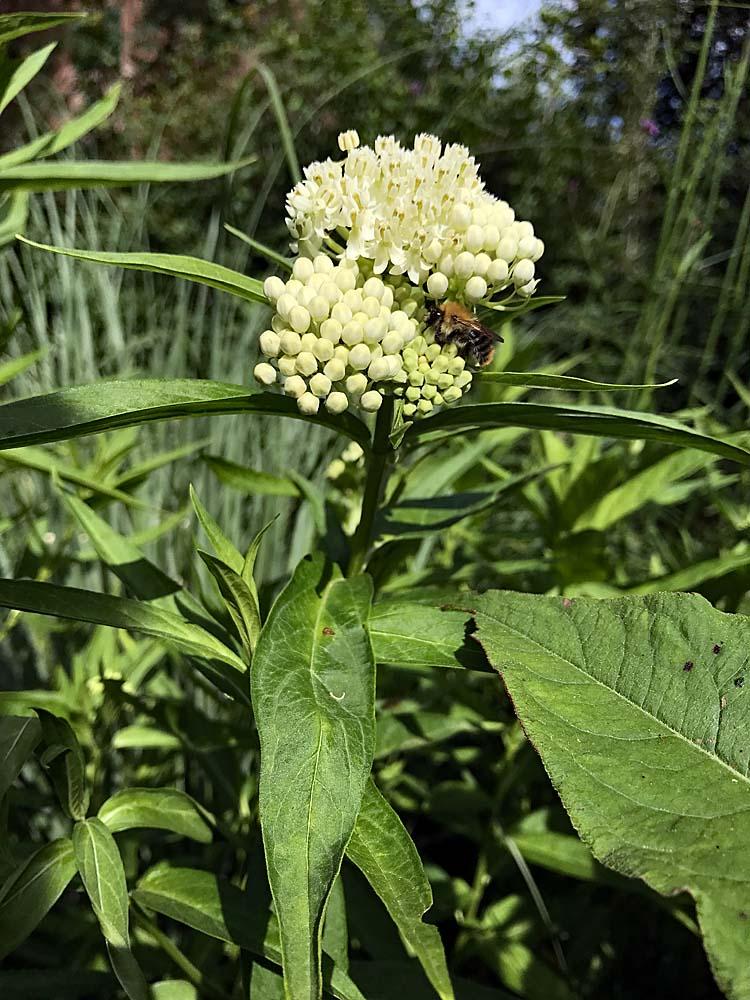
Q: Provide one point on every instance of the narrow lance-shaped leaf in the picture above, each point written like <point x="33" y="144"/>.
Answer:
<point x="15" y="75"/>
<point x="9" y="369"/>
<point x="600" y="421"/>
<point x="313" y="691"/>
<point x="89" y="409"/>
<point x="34" y="891"/>
<point x="224" y="667"/>
<point x="62" y="175"/>
<point x="219" y="909"/>
<point x="543" y="380"/>
<point x="16" y="25"/>
<point x="382" y="848"/>
<point x="18" y="737"/>
<point x="100" y="865"/>
<point x="238" y="599"/>
<point x="640" y="711"/>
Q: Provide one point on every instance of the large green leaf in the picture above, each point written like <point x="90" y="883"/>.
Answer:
<point x="639" y="709"/>
<point x="225" y="667"/>
<point x="15" y="25"/>
<point x="33" y="891"/>
<point x="219" y="909"/>
<point x="103" y="875"/>
<point x="381" y="847"/>
<point x="600" y="421"/>
<point x="18" y="737"/>
<point x="156" y="809"/>
<point x="313" y="691"/>
<point x="59" y="175"/>
<point x="407" y="634"/>
<point x="88" y="409"/>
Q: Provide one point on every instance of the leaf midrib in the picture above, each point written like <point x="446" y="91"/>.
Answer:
<point x="675" y="732"/>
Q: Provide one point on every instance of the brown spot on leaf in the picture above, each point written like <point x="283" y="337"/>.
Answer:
<point x="717" y="648"/>
<point x="688" y="666"/>
<point x="743" y="915"/>
<point x="739" y="681"/>
<point x="567" y="602"/>
<point x="328" y="630"/>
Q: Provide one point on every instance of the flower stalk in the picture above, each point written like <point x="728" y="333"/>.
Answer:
<point x="378" y="468"/>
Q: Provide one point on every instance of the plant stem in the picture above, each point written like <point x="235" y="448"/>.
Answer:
<point x="167" y="945"/>
<point x="377" y="469"/>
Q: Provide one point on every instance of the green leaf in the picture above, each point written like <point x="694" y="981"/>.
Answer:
<point x="639" y="710"/>
<point x="692" y="577"/>
<point x="61" y="175"/>
<point x="335" y="928"/>
<point x="89" y="409"/>
<point x="70" y="132"/>
<point x="219" y="909"/>
<point x="65" y="764"/>
<point x="124" y="558"/>
<point x="34" y="890"/>
<point x="156" y="809"/>
<point x="15" y="25"/>
<point x="144" y="738"/>
<point x="239" y="601"/>
<point x="261" y="248"/>
<point x="18" y="737"/>
<point x="381" y="847"/>
<point x="250" y="481"/>
<point x="205" y="272"/>
<point x="14" y="210"/>
<point x="174" y="989"/>
<point x="9" y="369"/>
<point x="225" y="668"/>
<point x="15" y="75"/>
<point x="649" y="485"/>
<point x="313" y="692"/>
<point x="386" y="980"/>
<point x="407" y="634"/>
<point x="543" y="380"/>
<point x="224" y="549"/>
<point x="101" y="869"/>
<point x="599" y="421"/>
<point x="41" y="461"/>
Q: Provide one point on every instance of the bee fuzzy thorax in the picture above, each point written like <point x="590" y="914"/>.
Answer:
<point x="454" y="323"/>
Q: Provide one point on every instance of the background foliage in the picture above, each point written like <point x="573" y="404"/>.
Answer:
<point x="621" y="130"/>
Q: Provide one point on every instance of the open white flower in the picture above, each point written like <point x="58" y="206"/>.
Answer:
<point x="421" y="212"/>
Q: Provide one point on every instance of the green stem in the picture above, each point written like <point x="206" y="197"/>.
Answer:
<point x="206" y="986"/>
<point x="377" y="470"/>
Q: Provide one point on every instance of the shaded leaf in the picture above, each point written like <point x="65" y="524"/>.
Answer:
<point x="407" y="634"/>
<point x="15" y="25"/>
<point x="60" y="175"/>
<point x="65" y="763"/>
<point x="18" y="737"/>
<point x="382" y="848"/>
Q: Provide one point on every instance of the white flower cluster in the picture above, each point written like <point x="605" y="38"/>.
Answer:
<point x="422" y="212"/>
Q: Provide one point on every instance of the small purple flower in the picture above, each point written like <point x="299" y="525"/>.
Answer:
<point x="650" y="127"/>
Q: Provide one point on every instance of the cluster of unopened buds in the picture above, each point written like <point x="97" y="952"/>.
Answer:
<point x="380" y="236"/>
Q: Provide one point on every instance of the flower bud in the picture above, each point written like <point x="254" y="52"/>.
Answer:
<point x="318" y="308"/>
<point x="451" y="394"/>
<point x="409" y="409"/>
<point x="323" y="264"/>
<point x="306" y="363"/>
<point x="323" y="349"/>
<point x="464" y="264"/>
<point x="371" y="401"/>
<point x="424" y="406"/>
<point x="273" y="288"/>
<point x="269" y="343"/>
<point x="307" y="342"/>
<point x="348" y="140"/>
<point x="373" y="288"/>
<point x="287" y="366"/>
<point x="460" y="217"/>
<point x="444" y="381"/>
<point x="330" y="329"/>
<point x="491" y="237"/>
<point x="447" y="263"/>
<point x="379" y="369"/>
<point x="303" y="269"/>
<point x="299" y="319"/>
<point x="285" y="304"/>
<point x="437" y="284"/>
<point x="265" y="373"/>
<point x="359" y="356"/>
<point x="429" y="391"/>
<point x="413" y="393"/>
<point x="476" y="288"/>
<point x="482" y="263"/>
<point x="337" y="402"/>
<point x="497" y="272"/>
<point x="352" y="333"/>
<point x="392" y="342"/>
<point x="523" y="272"/>
<point x="341" y="353"/>
<point x="320" y="385"/>
<point x="290" y="342"/>
<point x="356" y="384"/>
<point x="335" y="370"/>
<point x="474" y="238"/>
<point x="375" y="329"/>
<point x="462" y="379"/>
<point x="295" y="386"/>
<point x="308" y="404"/>
<point x="345" y="279"/>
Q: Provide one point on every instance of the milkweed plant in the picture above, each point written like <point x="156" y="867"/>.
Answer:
<point x="386" y="239"/>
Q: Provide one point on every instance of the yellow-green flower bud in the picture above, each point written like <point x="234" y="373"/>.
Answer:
<point x="308" y="404"/>
<point x="265" y="373"/>
<point x="320" y="384"/>
<point x="337" y="402"/>
<point x="371" y="401"/>
<point x="295" y="386"/>
<point x="306" y="363"/>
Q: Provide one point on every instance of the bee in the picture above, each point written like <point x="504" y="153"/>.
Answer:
<point x="455" y="324"/>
